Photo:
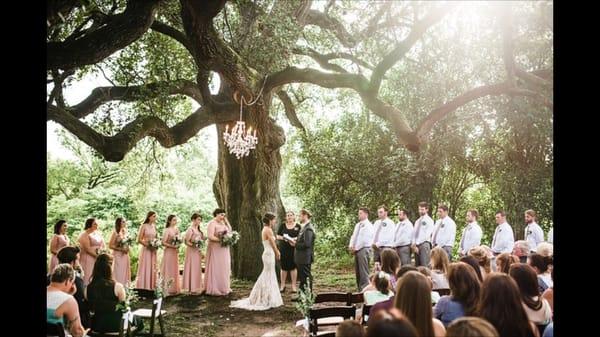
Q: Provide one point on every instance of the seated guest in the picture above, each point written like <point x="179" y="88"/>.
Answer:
<point x="471" y="261"/>
<point x="382" y="292"/>
<point x="413" y="299"/>
<point x="545" y="249"/>
<point x="549" y="293"/>
<point x="350" y="328"/>
<point x="435" y="296"/>
<point x="391" y="324"/>
<point x="537" y="308"/>
<point x="500" y="304"/>
<point x="61" y="307"/>
<point x="503" y="262"/>
<point x="541" y="265"/>
<point x="471" y="327"/>
<point x="439" y="268"/>
<point x="385" y="305"/>
<point x="481" y="255"/>
<point x="464" y="294"/>
<point x="390" y="264"/>
<point x="521" y="250"/>
<point x="70" y="255"/>
<point x="103" y="294"/>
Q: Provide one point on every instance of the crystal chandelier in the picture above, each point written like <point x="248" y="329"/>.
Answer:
<point x="240" y="141"/>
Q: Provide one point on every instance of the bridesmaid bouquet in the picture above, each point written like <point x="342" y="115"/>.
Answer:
<point x="102" y="251"/>
<point x="127" y="241"/>
<point x="229" y="238"/>
<point x="199" y="243"/>
<point x="176" y="241"/>
<point x="155" y="244"/>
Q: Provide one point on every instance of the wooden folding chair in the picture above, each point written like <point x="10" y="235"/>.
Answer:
<point x="145" y="293"/>
<point x="355" y="298"/>
<point x="125" y="328"/>
<point x="366" y="309"/>
<point x="332" y="297"/>
<point x="443" y="291"/>
<point x="152" y="315"/>
<point x="329" y="316"/>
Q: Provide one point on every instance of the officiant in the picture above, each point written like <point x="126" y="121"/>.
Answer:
<point x="287" y="232"/>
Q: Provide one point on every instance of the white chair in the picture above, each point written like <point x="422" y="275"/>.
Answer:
<point x="155" y="313"/>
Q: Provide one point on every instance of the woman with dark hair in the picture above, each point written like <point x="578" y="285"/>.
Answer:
<point x="122" y="264"/>
<point x="381" y="283"/>
<point x="537" y="308"/>
<point x="390" y="264"/>
<point x="541" y="265"/>
<point x="170" y="260"/>
<point x="218" y="258"/>
<point x="292" y="229"/>
<point x="504" y="261"/>
<point x="464" y="294"/>
<point x="265" y="293"/>
<point x="500" y="304"/>
<point x="90" y="241"/>
<point x="389" y="303"/>
<point x="413" y="298"/>
<point x="103" y="294"/>
<point x="192" y="269"/>
<point x="471" y="261"/>
<point x="59" y="240"/>
<point x="390" y="324"/>
<point x="147" y="263"/>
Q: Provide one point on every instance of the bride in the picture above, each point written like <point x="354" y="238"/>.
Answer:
<point x="265" y="293"/>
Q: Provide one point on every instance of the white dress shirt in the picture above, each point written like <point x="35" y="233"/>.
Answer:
<point x="362" y="236"/>
<point x="471" y="237"/>
<point x="404" y="233"/>
<point x="444" y="232"/>
<point x="504" y="239"/>
<point x="534" y="235"/>
<point x="423" y="229"/>
<point x="384" y="233"/>
<point x="551" y="235"/>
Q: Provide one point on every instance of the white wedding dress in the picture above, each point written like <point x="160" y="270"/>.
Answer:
<point x="265" y="293"/>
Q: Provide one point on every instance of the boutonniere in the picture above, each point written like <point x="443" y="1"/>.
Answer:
<point x="500" y="230"/>
<point x="442" y="225"/>
<point x="423" y="223"/>
<point x="383" y="224"/>
<point x="529" y="232"/>
<point x="362" y="225"/>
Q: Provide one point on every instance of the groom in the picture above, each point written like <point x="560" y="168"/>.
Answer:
<point x="303" y="252"/>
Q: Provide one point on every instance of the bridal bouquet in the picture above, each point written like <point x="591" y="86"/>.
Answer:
<point x="155" y="244"/>
<point x="229" y="238"/>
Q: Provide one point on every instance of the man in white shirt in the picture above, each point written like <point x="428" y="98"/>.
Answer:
<point x="444" y="231"/>
<point x="472" y="233"/>
<point x="403" y="237"/>
<point x="533" y="232"/>
<point x="385" y="229"/>
<point x="551" y="235"/>
<point x="421" y="242"/>
<point x="504" y="239"/>
<point x="360" y="247"/>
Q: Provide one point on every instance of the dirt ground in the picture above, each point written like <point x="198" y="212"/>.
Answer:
<point x="208" y="316"/>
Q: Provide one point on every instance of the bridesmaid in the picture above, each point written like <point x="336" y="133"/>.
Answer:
<point x="90" y="241"/>
<point x="170" y="261"/>
<point x="59" y="240"/>
<point x="121" y="263"/>
<point x="192" y="270"/>
<point x="218" y="260"/>
<point x="147" y="268"/>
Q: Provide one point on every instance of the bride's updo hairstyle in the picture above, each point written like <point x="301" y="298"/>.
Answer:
<point x="267" y="218"/>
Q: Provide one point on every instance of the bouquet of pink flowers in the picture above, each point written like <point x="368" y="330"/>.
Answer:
<point x="155" y="244"/>
<point x="127" y="241"/>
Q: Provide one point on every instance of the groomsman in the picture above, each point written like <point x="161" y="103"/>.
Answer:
<point x="385" y="229"/>
<point x="550" y="235"/>
<point x="444" y="231"/>
<point x="360" y="247"/>
<point x="533" y="232"/>
<point x="472" y="233"/>
<point x="403" y="237"/>
<point x="421" y="241"/>
<point x="504" y="238"/>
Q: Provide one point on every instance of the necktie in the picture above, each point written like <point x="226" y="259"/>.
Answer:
<point x="462" y="241"/>
<point x="400" y="224"/>
<point x="418" y="229"/>
<point x="378" y="230"/>
<point x="494" y="240"/>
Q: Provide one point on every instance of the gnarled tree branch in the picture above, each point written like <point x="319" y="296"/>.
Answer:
<point x="114" y="148"/>
<point x="174" y="33"/>
<point x="290" y="111"/>
<point x="120" y="31"/>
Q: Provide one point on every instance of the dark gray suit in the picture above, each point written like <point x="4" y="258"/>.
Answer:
<point x="303" y="254"/>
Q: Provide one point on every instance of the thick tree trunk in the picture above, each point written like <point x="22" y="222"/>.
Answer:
<point x="249" y="187"/>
